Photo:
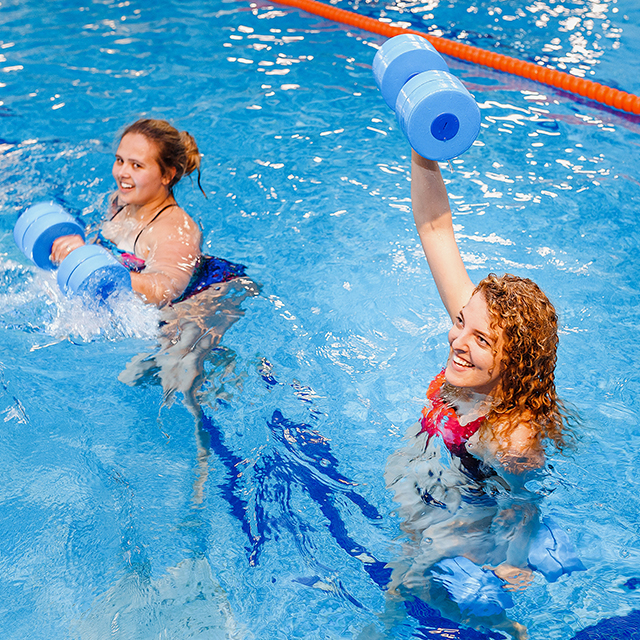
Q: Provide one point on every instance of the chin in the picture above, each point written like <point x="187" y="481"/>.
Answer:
<point x="470" y="380"/>
<point x="456" y="378"/>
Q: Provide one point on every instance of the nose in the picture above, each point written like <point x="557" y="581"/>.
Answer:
<point x="459" y="341"/>
<point x="120" y="168"/>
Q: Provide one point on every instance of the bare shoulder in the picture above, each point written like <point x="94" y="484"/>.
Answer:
<point x="521" y="448"/>
<point x="177" y="216"/>
<point x="176" y="222"/>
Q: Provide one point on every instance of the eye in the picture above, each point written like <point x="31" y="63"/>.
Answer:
<point x="459" y="321"/>
<point x="483" y="341"/>
<point x="135" y="165"/>
<point x="118" y="160"/>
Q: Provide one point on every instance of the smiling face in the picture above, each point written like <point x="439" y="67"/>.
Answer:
<point x="137" y="173"/>
<point x="475" y="354"/>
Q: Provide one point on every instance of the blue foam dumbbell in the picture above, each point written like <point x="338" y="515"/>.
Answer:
<point x="435" y="111"/>
<point x="551" y="552"/>
<point x="475" y="590"/>
<point x="88" y="270"/>
<point x="39" y="226"/>
<point x="401" y="58"/>
<point x="91" y="270"/>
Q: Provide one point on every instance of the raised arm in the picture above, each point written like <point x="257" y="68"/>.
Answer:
<point x="432" y="215"/>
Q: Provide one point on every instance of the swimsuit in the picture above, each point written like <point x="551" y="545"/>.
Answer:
<point x="209" y="270"/>
<point x="129" y="260"/>
<point x="440" y="418"/>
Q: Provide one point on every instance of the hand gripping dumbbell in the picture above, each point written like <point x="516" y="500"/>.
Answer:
<point x="88" y="270"/>
<point x="480" y="591"/>
<point x="435" y="111"/>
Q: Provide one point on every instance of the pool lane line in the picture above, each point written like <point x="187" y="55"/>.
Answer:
<point x="609" y="96"/>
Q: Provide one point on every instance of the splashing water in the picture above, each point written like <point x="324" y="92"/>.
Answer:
<point x="34" y="303"/>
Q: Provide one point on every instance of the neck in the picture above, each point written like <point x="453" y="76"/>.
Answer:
<point x="142" y="212"/>
<point x="466" y="402"/>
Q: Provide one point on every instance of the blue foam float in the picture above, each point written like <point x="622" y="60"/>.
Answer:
<point x="401" y="58"/>
<point x="551" y="552"/>
<point x="438" y="115"/>
<point x="39" y="226"/>
<point x="91" y="270"/>
<point x="88" y="270"/>
<point x="436" y="112"/>
<point x="480" y="592"/>
<point x="475" y="590"/>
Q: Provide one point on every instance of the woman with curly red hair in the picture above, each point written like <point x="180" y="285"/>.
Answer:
<point x="502" y="344"/>
<point x="460" y="480"/>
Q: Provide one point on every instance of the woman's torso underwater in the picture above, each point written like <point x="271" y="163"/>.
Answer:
<point x="120" y="234"/>
<point x="453" y="497"/>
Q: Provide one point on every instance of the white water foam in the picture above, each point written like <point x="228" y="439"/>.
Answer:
<point x="34" y="303"/>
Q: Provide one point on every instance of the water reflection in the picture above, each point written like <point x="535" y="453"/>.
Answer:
<point x="454" y="507"/>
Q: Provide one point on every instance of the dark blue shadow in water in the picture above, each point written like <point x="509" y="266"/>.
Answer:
<point x="618" y="628"/>
<point x="304" y="460"/>
<point x="231" y="491"/>
<point x="434" y="625"/>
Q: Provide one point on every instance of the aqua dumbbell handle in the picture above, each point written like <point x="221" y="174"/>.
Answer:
<point x="92" y="271"/>
<point x="38" y="227"/>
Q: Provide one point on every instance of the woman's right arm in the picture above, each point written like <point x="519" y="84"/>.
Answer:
<point x="432" y="215"/>
<point x="64" y="245"/>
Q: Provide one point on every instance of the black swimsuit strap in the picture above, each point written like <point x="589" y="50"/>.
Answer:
<point x="146" y="226"/>
<point x="118" y="207"/>
<point x="121" y="207"/>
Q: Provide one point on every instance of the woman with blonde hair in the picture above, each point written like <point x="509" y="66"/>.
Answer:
<point x="160" y="244"/>
<point x="147" y="230"/>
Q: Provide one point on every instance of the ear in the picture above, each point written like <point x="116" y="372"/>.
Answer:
<point x="169" y="176"/>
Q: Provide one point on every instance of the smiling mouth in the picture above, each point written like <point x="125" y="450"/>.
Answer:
<point x="461" y="363"/>
<point x="125" y="186"/>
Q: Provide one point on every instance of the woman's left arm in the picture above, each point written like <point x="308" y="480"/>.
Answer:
<point x="170" y="248"/>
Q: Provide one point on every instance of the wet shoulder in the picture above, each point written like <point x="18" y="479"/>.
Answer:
<point x="175" y="222"/>
<point x="519" y="448"/>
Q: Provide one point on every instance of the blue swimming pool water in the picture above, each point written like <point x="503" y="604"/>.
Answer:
<point x="103" y="532"/>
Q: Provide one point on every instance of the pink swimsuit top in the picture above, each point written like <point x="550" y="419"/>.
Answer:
<point x="440" y="419"/>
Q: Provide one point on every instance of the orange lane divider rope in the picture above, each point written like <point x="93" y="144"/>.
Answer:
<point x="558" y="79"/>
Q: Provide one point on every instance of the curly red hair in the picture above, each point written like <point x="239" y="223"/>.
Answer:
<point x="528" y="322"/>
